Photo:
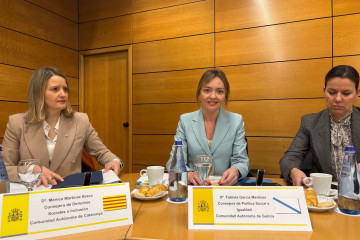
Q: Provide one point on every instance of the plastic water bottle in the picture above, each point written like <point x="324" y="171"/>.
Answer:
<point x="178" y="175"/>
<point x="4" y="179"/>
<point x="349" y="184"/>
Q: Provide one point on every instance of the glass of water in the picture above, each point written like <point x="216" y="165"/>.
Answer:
<point x="203" y="167"/>
<point x="29" y="172"/>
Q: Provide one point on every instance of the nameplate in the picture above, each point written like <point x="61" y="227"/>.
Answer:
<point x="248" y="208"/>
<point x="42" y="214"/>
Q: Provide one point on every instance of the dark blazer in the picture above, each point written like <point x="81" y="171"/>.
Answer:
<point x="228" y="147"/>
<point x="314" y="137"/>
<point x="24" y="140"/>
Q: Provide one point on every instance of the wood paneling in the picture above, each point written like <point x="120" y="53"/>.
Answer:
<point x="15" y="81"/>
<point x="275" y="117"/>
<point x="65" y="8"/>
<point x="144" y="5"/>
<point x="266" y="153"/>
<point x="159" y="118"/>
<point x="152" y="149"/>
<point x="21" y="50"/>
<point x="195" y="18"/>
<point x="346" y="6"/>
<point x="234" y="14"/>
<point x="346" y="35"/>
<point x="74" y="90"/>
<point x="351" y="60"/>
<point x="25" y="17"/>
<point x="166" y="87"/>
<point x="7" y="109"/>
<point x="298" y="79"/>
<point x="174" y="54"/>
<point x="262" y="118"/>
<point x="301" y="40"/>
<point x="105" y="33"/>
<point x="94" y="9"/>
<point x="138" y="168"/>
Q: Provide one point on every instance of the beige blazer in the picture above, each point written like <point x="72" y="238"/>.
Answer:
<point x="24" y="140"/>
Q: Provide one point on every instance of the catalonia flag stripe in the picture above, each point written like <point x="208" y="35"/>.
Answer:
<point x="115" y="196"/>
<point x="109" y="209"/>
<point x="115" y="200"/>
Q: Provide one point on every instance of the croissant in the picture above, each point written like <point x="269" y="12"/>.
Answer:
<point x="311" y="198"/>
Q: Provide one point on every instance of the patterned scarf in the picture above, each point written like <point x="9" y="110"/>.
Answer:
<point x="340" y="138"/>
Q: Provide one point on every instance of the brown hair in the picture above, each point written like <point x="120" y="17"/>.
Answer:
<point x="210" y="75"/>
<point x="36" y="92"/>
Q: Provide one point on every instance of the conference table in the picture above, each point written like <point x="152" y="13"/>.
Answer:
<point x="160" y="219"/>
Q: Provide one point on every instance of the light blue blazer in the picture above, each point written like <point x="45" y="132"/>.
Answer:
<point x="228" y="147"/>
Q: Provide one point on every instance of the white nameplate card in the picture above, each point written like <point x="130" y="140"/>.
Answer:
<point x="248" y="208"/>
<point x="41" y="214"/>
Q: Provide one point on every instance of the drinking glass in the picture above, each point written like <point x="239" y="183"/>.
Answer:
<point x="29" y="172"/>
<point x="203" y="167"/>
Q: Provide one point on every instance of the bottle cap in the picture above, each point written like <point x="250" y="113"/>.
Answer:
<point x="349" y="149"/>
<point x="178" y="142"/>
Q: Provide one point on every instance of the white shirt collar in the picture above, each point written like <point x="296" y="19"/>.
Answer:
<point x="47" y="126"/>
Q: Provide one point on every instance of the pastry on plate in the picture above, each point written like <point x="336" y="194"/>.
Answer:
<point x="311" y="198"/>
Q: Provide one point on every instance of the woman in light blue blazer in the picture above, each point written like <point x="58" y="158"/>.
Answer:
<point x="213" y="131"/>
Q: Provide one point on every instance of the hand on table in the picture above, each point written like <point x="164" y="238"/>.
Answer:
<point x="297" y="176"/>
<point x="194" y="179"/>
<point x="48" y="176"/>
<point x="230" y="177"/>
<point x="114" y="165"/>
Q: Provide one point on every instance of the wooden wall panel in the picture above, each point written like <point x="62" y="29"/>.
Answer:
<point x="159" y="118"/>
<point x="7" y="109"/>
<point x="275" y="117"/>
<point x="152" y="149"/>
<point x="346" y="35"/>
<point x="298" y="79"/>
<point x="28" y="18"/>
<point x="174" y="54"/>
<point x="65" y="8"/>
<point x="262" y="118"/>
<point x="105" y="33"/>
<point x="145" y="5"/>
<point x="36" y="53"/>
<point x="196" y="18"/>
<point x="94" y="9"/>
<point x="351" y="60"/>
<point x="137" y="168"/>
<point x="234" y="14"/>
<point x="346" y="7"/>
<point x="74" y="90"/>
<point x="300" y="40"/>
<point x="266" y="153"/>
<point x="165" y="87"/>
<point x="14" y="83"/>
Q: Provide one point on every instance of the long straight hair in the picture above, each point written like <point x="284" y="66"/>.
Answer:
<point x="36" y="91"/>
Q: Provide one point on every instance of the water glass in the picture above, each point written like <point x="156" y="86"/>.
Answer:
<point x="29" y="172"/>
<point x="203" y="167"/>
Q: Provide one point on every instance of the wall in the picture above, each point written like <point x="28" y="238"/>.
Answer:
<point x="35" y="33"/>
<point x="275" y="54"/>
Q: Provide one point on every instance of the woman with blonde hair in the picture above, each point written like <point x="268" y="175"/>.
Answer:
<point x="51" y="131"/>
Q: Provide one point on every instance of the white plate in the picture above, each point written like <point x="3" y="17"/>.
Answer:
<point x="156" y="196"/>
<point x="324" y="209"/>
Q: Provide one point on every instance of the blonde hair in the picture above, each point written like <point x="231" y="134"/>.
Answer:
<point x="36" y="91"/>
<point x="210" y="75"/>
